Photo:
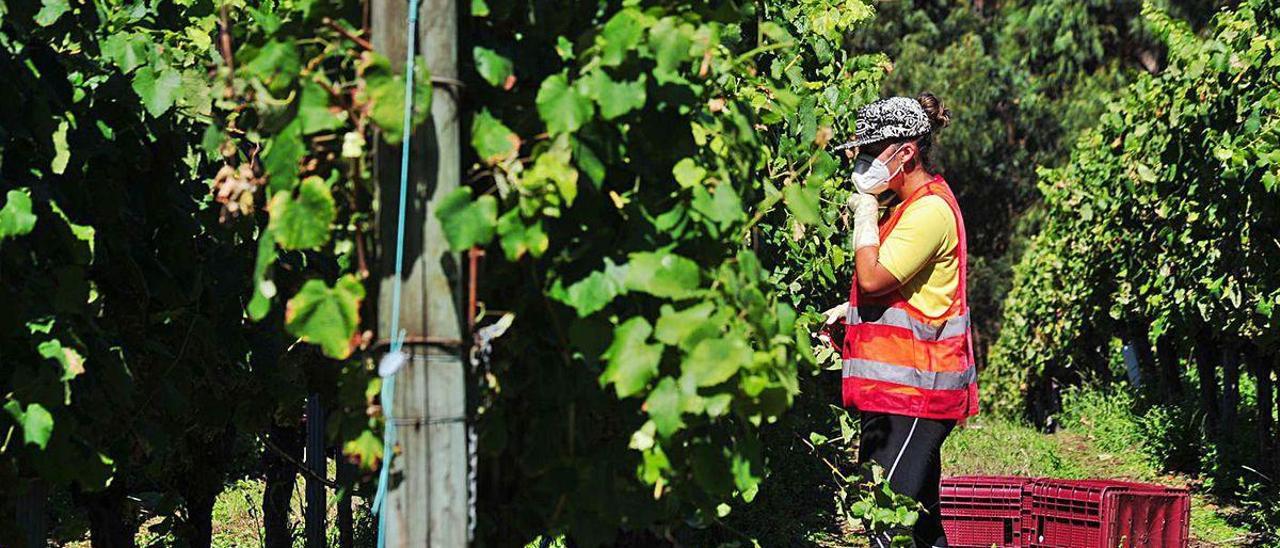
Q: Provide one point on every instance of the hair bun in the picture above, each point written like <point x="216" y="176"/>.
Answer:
<point x="939" y="115"/>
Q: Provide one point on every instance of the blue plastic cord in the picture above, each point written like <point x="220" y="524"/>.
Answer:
<point x="397" y="340"/>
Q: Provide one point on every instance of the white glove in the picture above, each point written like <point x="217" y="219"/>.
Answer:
<point x="835" y="313"/>
<point x="866" y="215"/>
<point x="832" y="315"/>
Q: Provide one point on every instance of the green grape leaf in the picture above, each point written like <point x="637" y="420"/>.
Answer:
<point x="553" y="167"/>
<point x="593" y="293"/>
<point x="663" y="406"/>
<point x="670" y="41"/>
<point x="714" y="361"/>
<point x="263" y="289"/>
<point x="71" y="361"/>
<point x="803" y="203"/>
<point x="326" y="316"/>
<point x="276" y="65"/>
<point x="465" y="222"/>
<point x="493" y="141"/>
<point x="685" y="328"/>
<point x="126" y="50"/>
<point x="157" y="87"/>
<point x="589" y="162"/>
<point x="517" y="238"/>
<point x="492" y="66"/>
<point x="366" y="448"/>
<point x="49" y="13"/>
<point x="724" y="207"/>
<point x="196" y="93"/>
<point x="302" y="221"/>
<point x="313" y="110"/>
<point x="614" y="98"/>
<point x="385" y="90"/>
<point x="36" y="422"/>
<point x="561" y="106"/>
<point x="662" y="274"/>
<point x="632" y="362"/>
<point x="688" y="173"/>
<point x="282" y="156"/>
<point x="16" y="218"/>
<point x="62" y="151"/>
<point x="84" y="235"/>
<point x="745" y="467"/>
<point x="621" y="35"/>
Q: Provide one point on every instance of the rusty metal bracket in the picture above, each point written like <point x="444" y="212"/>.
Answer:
<point x="473" y="261"/>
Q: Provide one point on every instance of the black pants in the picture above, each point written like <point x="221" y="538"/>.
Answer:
<point x="908" y="449"/>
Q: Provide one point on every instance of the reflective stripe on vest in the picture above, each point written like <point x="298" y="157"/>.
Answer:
<point x="909" y="376"/>
<point x="898" y="317"/>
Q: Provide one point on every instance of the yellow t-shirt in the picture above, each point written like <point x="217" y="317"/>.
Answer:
<point x="920" y="253"/>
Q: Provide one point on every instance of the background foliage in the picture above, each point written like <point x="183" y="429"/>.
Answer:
<point x="1159" y="230"/>
<point x="170" y="170"/>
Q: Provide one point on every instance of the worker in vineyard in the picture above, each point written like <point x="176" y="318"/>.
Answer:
<point x="908" y="362"/>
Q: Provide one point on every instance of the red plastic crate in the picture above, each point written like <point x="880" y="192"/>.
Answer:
<point x="984" y="511"/>
<point x="1105" y="514"/>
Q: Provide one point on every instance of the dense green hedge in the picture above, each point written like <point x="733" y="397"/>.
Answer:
<point x="1165" y="217"/>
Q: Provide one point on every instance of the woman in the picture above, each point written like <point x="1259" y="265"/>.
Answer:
<point x="908" y="365"/>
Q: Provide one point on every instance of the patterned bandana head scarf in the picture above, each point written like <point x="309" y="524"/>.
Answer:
<point x="892" y="118"/>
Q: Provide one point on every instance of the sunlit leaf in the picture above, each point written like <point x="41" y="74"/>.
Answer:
<point x="491" y="139"/>
<point x="803" y="202"/>
<point x="632" y="361"/>
<point x="561" y="106"/>
<point x="326" y="316"/>
<point x="614" y="98"/>
<point x="16" y="218"/>
<point x="662" y="274"/>
<point x="157" y="87"/>
<point x="302" y="221"/>
<point x="36" y="422"/>
<point x="663" y="405"/>
<point x="314" y="112"/>
<point x="50" y="11"/>
<point x="466" y="222"/>
<point x="714" y="361"/>
<point x="518" y="238"/>
<point x="621" y="35"/>
<point x="492" y="66"/>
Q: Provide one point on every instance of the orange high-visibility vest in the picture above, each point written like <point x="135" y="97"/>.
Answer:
<point x="899" y="360"/>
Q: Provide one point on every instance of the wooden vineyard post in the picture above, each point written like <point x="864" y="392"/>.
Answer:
<point x="427" y="493"/>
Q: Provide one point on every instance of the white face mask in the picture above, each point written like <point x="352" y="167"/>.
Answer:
<point x="871" y="176"/>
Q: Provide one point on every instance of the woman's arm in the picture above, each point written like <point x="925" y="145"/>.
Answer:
<point x="873" y="278"/>
<point x="885" y="266"/>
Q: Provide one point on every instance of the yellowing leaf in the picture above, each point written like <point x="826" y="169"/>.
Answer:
<point x="326" y="316"/>
<point x="493" y="141"/>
